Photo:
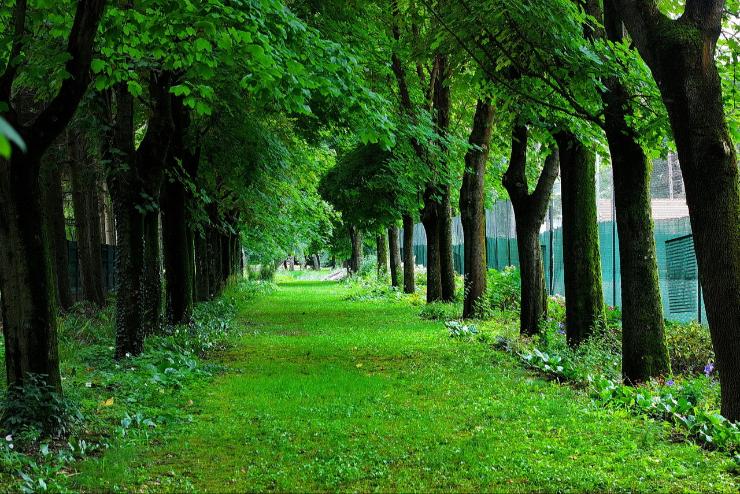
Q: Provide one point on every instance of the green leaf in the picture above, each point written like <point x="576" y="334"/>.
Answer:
<point x="9" y="133"/>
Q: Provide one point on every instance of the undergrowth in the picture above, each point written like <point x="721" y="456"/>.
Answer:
<point x="687" y="401"/>
<point x="106" y="401"/>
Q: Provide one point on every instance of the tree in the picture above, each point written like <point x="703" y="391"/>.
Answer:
<point x="472" y="206"/>
<point x="395" y="253"/>
<point x="680" y="53"/>
<point x="530" y="208"/>
<point x="29" y="324"/>
<point x="584" y="311"/>
<point x="644" y="350"/>
<point x="85" y="173"/>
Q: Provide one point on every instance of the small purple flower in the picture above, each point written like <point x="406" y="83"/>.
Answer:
<point x="708" y="369"/>
<point x="561" y="331"/>
<point x="670" y="382"/>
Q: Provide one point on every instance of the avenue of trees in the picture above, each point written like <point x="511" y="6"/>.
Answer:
<point x="216" y="133"/>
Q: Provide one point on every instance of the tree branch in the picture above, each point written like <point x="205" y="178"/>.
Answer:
<point x="19" y="30"/>
<point x="515" y="178"/>
<point x="60" y="110"/>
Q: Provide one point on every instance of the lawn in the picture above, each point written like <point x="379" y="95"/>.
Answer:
<point x="324" y="393"/>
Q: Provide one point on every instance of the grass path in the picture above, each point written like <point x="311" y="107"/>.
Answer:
<point x="330" y="394"/>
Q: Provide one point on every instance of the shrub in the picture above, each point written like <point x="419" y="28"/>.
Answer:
<point x="440" y="311"/>
<point x="35" y="409"/>
<point x="420" y="277"/>
<point x="267" y="272"/>
<point x="368" y="267"/>
<point x="504" y="292"/>
<point x="689" y="346"/>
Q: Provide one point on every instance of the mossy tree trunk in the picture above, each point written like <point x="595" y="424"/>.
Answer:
<point x="529" y="213"/>
<point x="431" y="221"/>
<point x="52" y="197"/>
<point x="441" y="107"/>
<point x="584" y="296"/>
<point x="355" y="262"/>
<point x="680" y="53"/>
<point x="395" y="254"/>
<point x="85" y="175"/>
<point x="26" y="277"/>
<point x="644" y="350"/>
<point x="409" y="280"/>
<point x="472" y="207"/>
<point x="176" y="229"/>
<point x="381" y="242"/>
<point x="135" y="174"/>
<point x="201" y="268"/>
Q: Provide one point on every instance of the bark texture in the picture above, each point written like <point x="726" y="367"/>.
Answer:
<point x="85" y="175"/>
<point x="409" y="279"/>
<point x="382" y="250"/>
<point x="355" y="262"/>
<point x="472" y="208"/>
<point x="644" y="350"/>
<point x="395" y="254"/>
<point x="680" y="53"/>
<point x="26" y="277"/>
<point x="529" y="213"/>
<point x="584" y="296"/>
<point x="52" y="196"/>
<point x="176" y="229"/>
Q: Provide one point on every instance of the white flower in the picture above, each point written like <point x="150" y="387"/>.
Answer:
<point x="9" y="437"/>
<point x="10" y="446"/>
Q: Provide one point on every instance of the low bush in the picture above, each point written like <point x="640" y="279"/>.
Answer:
<point x="368" y="267"/>
<point x="689" y="347"/>
<point x="440" y="311"/>
<point x="503" y="289"/>
<point x="420" y="277"/>
<point x="45" y="432"/>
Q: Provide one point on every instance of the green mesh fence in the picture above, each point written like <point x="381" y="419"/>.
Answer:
<point x="677" y="272"/>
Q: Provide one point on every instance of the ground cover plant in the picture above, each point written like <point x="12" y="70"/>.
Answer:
<point x="134" y="400"/>
<point x="165" y="165"/>
<point x="334" y="394"/>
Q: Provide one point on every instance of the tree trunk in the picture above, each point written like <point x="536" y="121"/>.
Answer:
<point x="472" y="208"/>
<point x="26" y="277"/>
<point x="201" y="268"/>
<point x="529" y="213"/>
<point x="85" y="196"/>
<point x="430" y="220"/>
<point x="137" y="175"/>
<point x="177" y="254"/>
<point x="52" y="196"/>
<point x="644" y="350"/>
<point x="214" y="261"/>
<point x="225" y="258"/>
<point x="177" y="239"/>
<point x="123" y="186"/>
<point x="584" y="296"/>
<point x="442" y="103"/>
<point x="382" y="251"/>
<point x="395" y="253"/>
<point x="409" y="276"/>
<point x="680" y="54"/>
<point x="355" y="262"/>
<point x="446" y="264"/>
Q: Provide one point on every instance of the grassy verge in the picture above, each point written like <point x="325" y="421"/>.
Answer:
<point x="111" y="403"/>
<point x="328" y="392"/>
<point x="687" y="402"/>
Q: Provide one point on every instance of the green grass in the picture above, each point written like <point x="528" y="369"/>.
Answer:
<point x="326" y="393"/>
